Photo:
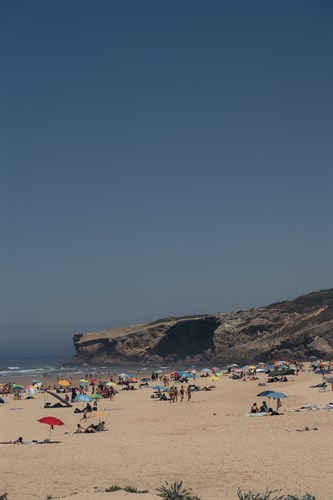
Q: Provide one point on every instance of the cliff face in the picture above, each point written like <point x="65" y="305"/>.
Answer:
<point x="293" y="329"/>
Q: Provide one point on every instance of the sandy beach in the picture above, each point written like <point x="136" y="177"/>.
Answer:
<point x="209" y="443"/>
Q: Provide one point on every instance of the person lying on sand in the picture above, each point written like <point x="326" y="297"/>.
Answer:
<point x="90" y="429"/>
<point x="16" y="441"/>
<point x="79" y="429"/>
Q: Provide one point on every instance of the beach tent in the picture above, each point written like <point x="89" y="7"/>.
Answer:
<point x="30" y="389"/>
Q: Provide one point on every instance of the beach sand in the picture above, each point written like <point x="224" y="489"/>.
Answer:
<point x="208" y="443"/>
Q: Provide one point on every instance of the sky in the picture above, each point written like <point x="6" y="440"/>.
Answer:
<point x="160" y="158"/>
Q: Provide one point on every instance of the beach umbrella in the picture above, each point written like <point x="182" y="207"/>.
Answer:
<point x="64" y="383"/>
<point x="51" y="421"/>
<point x="264" y="393"/>
<point x="206" y="370"/>
<point x="96" y="414"/>
<point x="233" y="365"/>
<point x="96" y="396"/>
<point x="123" y="375"/>
<point x="145" y="379"/>
<point x="323" y="372"/>
<point x="17" y="387"/>
<point x="158" y="387"/>
<point x="167" y="389"/>
<point x="158" y="371"/>
<point x="131" y="379"/>
<point x="84" y="398"/>
<point x="329" y="380"/>
<point x="111" y="384"/>
<point x="36" y="382"/>
<point x="276" y="395"/>
<point x="93" y="380"/>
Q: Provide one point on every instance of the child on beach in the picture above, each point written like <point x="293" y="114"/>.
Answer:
<point x="189" y="393"/>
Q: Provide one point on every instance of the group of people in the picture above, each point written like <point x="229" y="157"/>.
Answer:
<point x="264" y="408"/>
<point x="90" y="429"/>
<point x="174" y="393"/>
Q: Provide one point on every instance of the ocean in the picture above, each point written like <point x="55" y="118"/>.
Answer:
<point x="15" y="369"/>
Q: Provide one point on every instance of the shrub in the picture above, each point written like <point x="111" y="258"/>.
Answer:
<point x="175" y="491"/>
<point x="252" y="495"/>
<point x="270" y="495"/>
<point x="113" y="487"/>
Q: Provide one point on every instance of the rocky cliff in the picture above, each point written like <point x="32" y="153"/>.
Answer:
<point x="292" y="329"/>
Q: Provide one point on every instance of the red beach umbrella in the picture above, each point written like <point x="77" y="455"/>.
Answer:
<point x="51" y="421"/>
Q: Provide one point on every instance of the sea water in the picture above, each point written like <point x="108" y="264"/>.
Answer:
<point x="39" y="368"/>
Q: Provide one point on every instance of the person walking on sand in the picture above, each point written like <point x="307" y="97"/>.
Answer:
<point x="278" y="404"/>
<point x="181" y="393"/>
<point x="189" y="393"/>
<point x="175" y="395"/>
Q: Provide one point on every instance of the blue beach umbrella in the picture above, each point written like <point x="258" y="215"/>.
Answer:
<point x="158" y="387"/>
<point x="275" y="395"/>
<point x="265" y="393"/>
<point x="145" y="379"/>
<point x="84" y="398"/>
<point x="158" y="371"/>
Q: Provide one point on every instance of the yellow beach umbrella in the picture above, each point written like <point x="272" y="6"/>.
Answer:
<point x="96" y="414"/>
<point x="64" y="383"/>
<point x="111" y="384"/>
<point x="84" y="381"/>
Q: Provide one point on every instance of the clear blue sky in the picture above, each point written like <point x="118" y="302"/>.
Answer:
<point x="160" y="158"/>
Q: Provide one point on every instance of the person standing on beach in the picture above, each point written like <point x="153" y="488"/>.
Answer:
<point x="189" y="393"/>
<point x="278" y="404"/>
<point x="175" y="395"/>
<point x="74" y="395"/>
<point x="181" y="393"/>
